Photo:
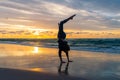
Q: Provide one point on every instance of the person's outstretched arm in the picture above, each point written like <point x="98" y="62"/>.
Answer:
<point x="66" y="20"/>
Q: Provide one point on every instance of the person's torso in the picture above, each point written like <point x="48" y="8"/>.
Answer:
<point x="61" y="35"/>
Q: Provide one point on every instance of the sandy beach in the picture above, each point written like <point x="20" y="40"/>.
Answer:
<point x="15" y="74"/>
<point x="19" y="62"/>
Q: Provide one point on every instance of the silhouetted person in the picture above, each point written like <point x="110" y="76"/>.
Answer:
<point x="65" y="70"/>
<point x="62" y="43"/>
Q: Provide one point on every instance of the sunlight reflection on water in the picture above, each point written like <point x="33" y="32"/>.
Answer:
<point x="36" y="50"/>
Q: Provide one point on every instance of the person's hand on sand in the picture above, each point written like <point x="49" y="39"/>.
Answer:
<point x="63" y="62"/>
<point x="70" y="61"/>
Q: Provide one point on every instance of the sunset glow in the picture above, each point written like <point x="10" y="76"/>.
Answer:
<point x="93" y="20"/>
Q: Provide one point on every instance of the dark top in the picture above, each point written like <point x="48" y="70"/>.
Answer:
<point x="63" y="45"/>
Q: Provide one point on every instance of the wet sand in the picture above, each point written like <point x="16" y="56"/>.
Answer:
<point x="19" y="62"/>
<point x="15" y="74"/>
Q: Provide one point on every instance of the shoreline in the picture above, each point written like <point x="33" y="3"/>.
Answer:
<point x="72" y="48"/>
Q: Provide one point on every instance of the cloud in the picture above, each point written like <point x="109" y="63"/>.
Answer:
<point x="3" y="24"/>
<point x="45" y="14"/>
<point x="57" y="9"/>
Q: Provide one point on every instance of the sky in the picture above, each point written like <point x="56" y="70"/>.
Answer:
<point x="40" y="18"/>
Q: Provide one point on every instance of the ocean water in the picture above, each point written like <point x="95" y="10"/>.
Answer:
<point x="94" y="45"/>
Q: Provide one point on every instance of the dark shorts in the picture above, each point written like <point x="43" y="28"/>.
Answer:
<point x="63" y="45"/>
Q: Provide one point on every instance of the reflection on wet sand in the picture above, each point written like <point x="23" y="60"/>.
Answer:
<point x="63" y="71"/>
<point x="19" y="50"/>
<point x="36" y="50"/>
